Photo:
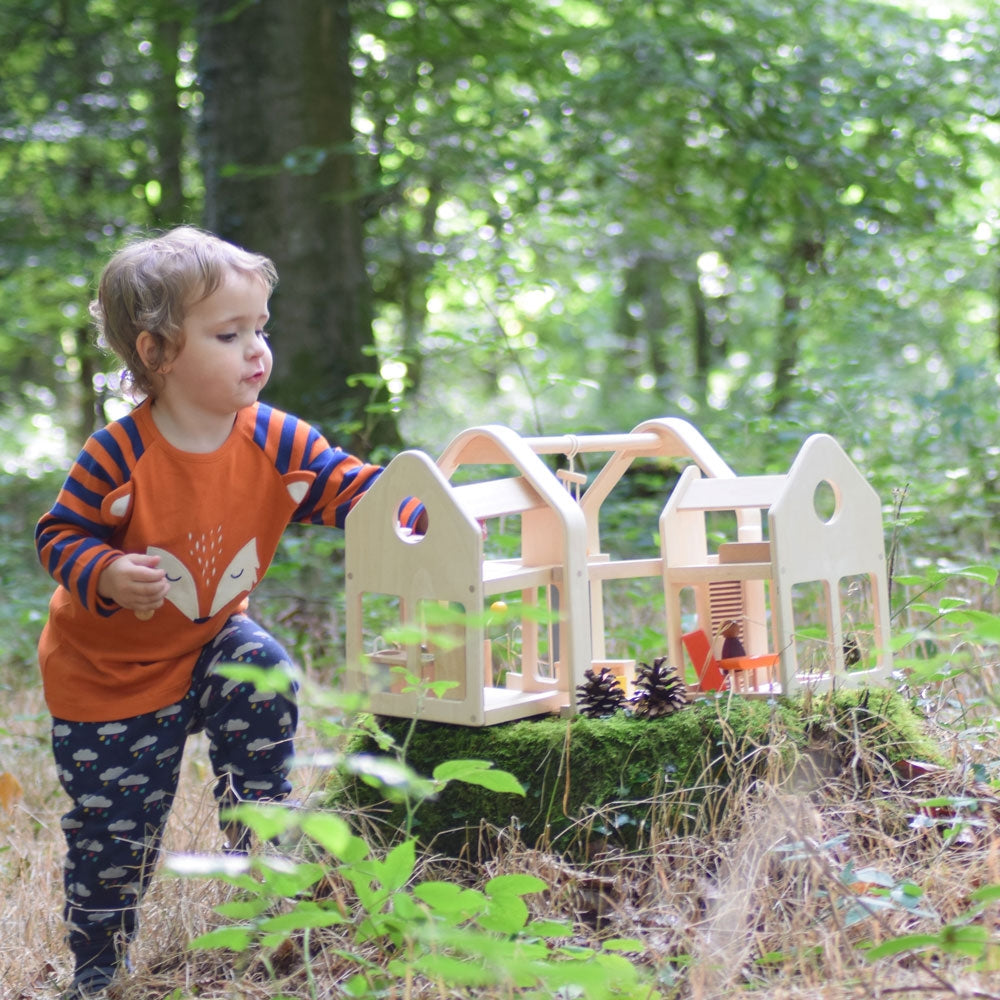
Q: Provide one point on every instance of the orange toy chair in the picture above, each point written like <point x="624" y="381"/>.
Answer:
<point x="715" y="675"/>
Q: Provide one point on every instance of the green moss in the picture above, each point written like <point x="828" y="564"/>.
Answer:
<point x="621" y="778"/>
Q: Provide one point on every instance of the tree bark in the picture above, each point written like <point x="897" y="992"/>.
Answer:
<point x="786" y="351"/>
<point x="168" y="123"/>
<point x="645" y="279"/>
<point x="701" y="335"/>
<point x="280" y="179"/>
<point x="804" y="260"/>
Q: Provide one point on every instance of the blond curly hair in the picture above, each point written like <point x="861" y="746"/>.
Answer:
<point x="152" y="282"/>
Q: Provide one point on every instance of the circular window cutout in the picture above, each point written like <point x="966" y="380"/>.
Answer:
<point x="411" y="535"/>
<point x="826" y="501"/>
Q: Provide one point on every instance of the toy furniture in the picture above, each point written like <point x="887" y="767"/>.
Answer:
<point x="807" y="545"/>
<point x="737" y="672"/>
<point x="433" y="590"/>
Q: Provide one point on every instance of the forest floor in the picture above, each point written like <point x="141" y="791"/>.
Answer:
<point x="765" y="905"/>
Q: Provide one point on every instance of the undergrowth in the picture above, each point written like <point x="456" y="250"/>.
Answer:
<point x="851" y="885"/>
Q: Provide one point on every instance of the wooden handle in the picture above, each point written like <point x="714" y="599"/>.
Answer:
<point x="144" y="616"/>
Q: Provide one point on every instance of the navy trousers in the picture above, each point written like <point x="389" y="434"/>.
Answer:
<point x="122" y="777"/>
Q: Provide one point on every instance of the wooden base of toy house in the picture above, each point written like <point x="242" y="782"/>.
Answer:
<point x="438" y="586"/>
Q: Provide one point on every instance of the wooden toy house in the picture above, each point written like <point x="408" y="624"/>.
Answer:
<point x="824" y="537"/>
<point x="446" y="567"/>
<point x="440" y="585"/>
<point x="560" y="568"/>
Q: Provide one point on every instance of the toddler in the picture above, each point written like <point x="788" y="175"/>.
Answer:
<point x="164" y="525"/>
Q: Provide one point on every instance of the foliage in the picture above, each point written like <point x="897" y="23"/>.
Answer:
<point x="81" y="166"/>
<point x="24" y="584"/>
<point x="789" y="229"/>
<point x="436" y="931"/>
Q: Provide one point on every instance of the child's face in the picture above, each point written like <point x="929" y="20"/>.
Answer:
<point x="224" y="361"/>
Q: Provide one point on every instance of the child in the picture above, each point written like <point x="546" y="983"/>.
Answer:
<point x="166" y="522"/>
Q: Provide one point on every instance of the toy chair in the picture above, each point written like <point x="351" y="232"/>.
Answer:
<point x="735" y="671"/>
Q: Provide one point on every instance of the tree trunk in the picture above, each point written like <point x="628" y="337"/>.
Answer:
<point x="414" y="275"/>
<point x="168" y="124"/>
<point x="644" y="315"/>
<point x="804" y="260"/>
<point x="786" y="351"/>
<point x="280" y="179"/>
<point x="702" y="336"/>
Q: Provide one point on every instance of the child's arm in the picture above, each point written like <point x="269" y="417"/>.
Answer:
<point x="73" y="539"/>
<point x="341" y="479"/>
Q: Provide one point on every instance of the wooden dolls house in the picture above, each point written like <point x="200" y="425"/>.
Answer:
<point x="789" y="592"/>
<point x="439" y="593"/>
<point x="557" y="578"/>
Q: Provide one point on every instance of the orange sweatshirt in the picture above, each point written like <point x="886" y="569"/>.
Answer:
<point x="214" y="519"/>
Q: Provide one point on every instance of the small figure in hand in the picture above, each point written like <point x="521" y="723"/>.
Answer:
<point x="165" y="524"/>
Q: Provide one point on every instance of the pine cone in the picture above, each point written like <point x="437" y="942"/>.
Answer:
<point x="658" y="690"/>
<point x="600" y="694"/>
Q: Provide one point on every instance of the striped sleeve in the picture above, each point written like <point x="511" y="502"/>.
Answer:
<point x="341" y="478"/>
<point x="71" y="538"/>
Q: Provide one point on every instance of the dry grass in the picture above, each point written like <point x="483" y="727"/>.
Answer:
<point x="733" y="912"/>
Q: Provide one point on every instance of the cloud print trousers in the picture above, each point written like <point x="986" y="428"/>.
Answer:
<point x="122" y="777"/>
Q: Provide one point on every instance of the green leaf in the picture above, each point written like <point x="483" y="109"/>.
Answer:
<point x="406" y="909"/>
<point x="455" y="971"/>
<point x="287" y="879"/>
<point x="623" y="944"/>
<point x="243" y="909"/>
<point x="397" y="869"/>
<point x="439" y="688"/>
<point x="505" y="914"/>
<point x="393" y="776"/>
<point x="266" y="679"/>
<point x="329" y="831"/>
<point x="450" y="899"/>
<point x="964" y="939"/>
<point x="233" y="938"/>
<point x="478" y="772"/>
<point x="355" y="851"/>
<point x="518" y="884"/>
<point x="981" y="572"/>
<point x="549" y="928"/>
<point x="266" y="819"/>
<point x="984" y="625"/>
<point x="986" y="894"/>
<point x="304" y="915"/>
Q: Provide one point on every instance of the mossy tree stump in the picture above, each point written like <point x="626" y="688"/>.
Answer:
<point x="617" y="781"/>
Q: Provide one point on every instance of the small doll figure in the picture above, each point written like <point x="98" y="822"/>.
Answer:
<point x="731" y="644"/>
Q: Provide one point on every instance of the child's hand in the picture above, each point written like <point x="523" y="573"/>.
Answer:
<point x="135" y="582"/>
